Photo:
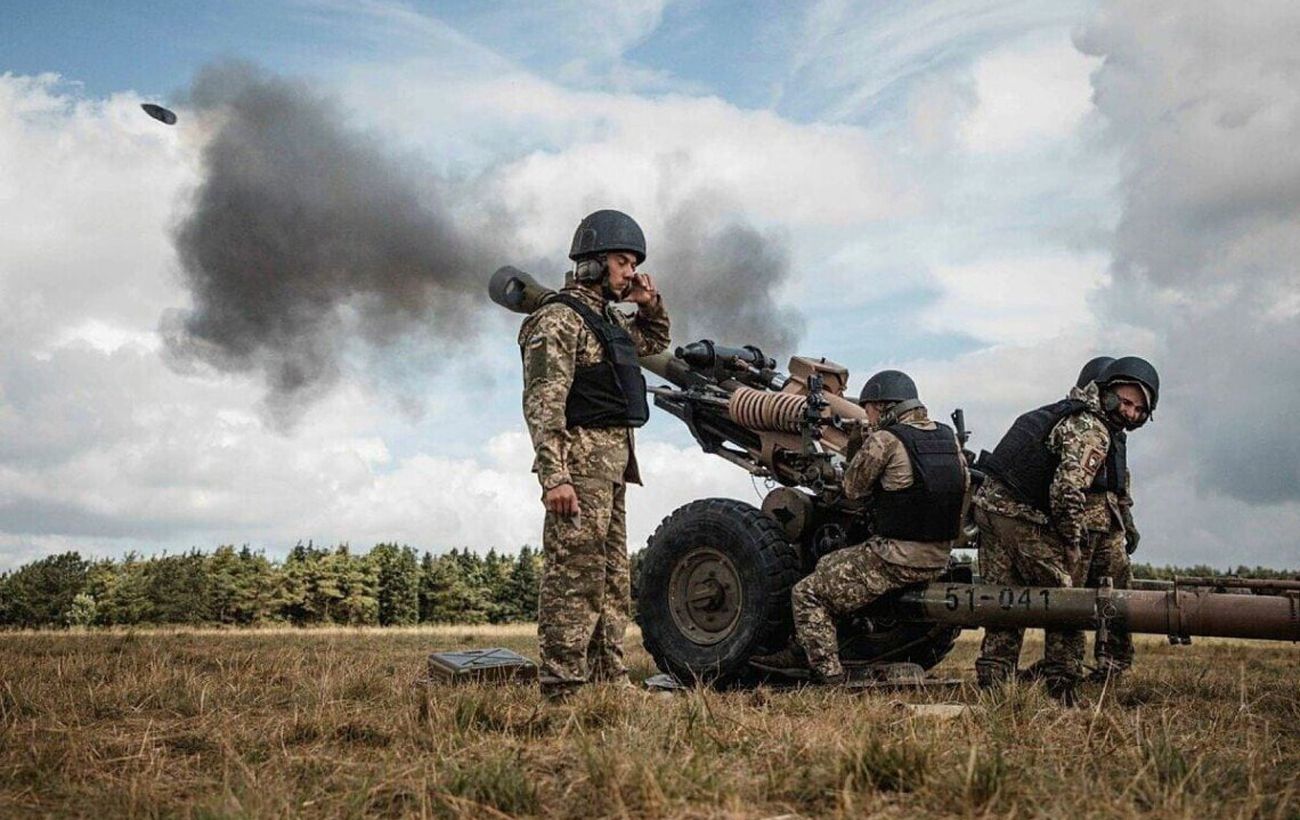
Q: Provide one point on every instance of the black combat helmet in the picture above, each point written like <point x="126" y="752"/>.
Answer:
<point x="1092" y="371"/>
<point x="888" y="386"/>
<point x="1131" y="370"/>
<point x="605" y="231"/>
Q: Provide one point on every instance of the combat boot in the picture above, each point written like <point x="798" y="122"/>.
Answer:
<point x="1065" y="690"/>
<point x="1106" y="672"/>
<point x="790" y="661"/>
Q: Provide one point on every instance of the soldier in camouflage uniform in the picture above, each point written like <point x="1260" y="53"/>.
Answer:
<point x="1032" y="512"/>
<point x="583" y="395"/>
<point x="1111" y="535"/>
<point x="914" y="472"/>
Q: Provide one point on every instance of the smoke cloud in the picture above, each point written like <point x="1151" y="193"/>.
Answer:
<point x="725" y="276"/>
<point x="303" y="233"/>
<point x="306" y="234"/>
<point x="1203" y="101"/>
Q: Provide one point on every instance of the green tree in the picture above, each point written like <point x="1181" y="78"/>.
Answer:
<point x="178" y="589"/>
<point x="125" y="599"/>
<point x="240" y="586"/>
<point x="347" y="588"/>
<point x="446" y="595"/>
<point x="399" y="584"/>
<point x="81" y="612"/>
<point x="523" y="586"/>
<point x="39" y="593"/>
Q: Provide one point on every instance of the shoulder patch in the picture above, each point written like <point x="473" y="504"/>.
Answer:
<point x="1093" y="459"/>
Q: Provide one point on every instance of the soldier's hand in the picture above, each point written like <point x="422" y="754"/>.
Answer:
<point x="561" y="499"/>
<point x="857" y="434"/>
<point x="643" y="290"/>
<point x="1131" y="538"/>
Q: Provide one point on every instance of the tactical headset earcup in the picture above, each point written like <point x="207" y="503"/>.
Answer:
<point x="1109" y="401"/>
<point x="590" y="270"/>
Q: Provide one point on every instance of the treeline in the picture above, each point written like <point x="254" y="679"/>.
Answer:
<point x="389" y="585"/>
<point x="1167" y="573"/>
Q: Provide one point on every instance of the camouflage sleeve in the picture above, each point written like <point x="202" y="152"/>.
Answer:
<point x="1126" y="513"/>
<point x="1081" y="440"/>
<point x="649" y="328"/>
<point x="549" y="343"/>
<point x="867" y="465"/>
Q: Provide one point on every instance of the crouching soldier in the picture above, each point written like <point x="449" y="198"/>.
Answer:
<point x="583" y="395"/>
<point x="1033" y="509"/>
<point x="1111" y="535"/>
<point x="915" y="475"/>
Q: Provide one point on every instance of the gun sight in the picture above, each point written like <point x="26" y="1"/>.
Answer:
<point x="705" y="355"/>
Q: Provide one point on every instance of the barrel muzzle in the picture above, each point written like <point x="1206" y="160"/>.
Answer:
<point x="515" y="290"/>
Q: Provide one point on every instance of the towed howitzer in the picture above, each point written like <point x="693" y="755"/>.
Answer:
<point x="716" y="575"/>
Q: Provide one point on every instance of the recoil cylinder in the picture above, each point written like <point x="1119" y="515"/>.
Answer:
<point x="764" y="410"/>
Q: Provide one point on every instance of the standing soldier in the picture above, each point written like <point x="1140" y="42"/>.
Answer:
<point x="1033" y="509"/>
<point x="915" y="474"/>
<point x="583" y="395"/>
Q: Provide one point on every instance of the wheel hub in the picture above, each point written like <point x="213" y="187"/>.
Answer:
<point x="704" y="596"/>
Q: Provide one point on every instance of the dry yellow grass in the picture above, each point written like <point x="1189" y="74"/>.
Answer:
<point x="327" y="723"/>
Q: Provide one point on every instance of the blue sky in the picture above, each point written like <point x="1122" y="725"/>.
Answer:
<point x="963" y="189"/>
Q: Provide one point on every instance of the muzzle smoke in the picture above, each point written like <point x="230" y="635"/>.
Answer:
<point x="306" y="235"/>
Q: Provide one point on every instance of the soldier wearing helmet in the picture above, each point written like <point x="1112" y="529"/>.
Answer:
<point x="1111" y="535"/>
<point x="583" y="396"/>
<point x="1038" y="505"/>
<point x="913" y="471"/>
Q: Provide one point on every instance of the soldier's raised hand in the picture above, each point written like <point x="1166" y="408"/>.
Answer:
<point x="561" y="499"/>
<point x="643" y="289"/>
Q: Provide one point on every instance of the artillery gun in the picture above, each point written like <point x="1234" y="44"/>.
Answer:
<point x="714" y="587"/>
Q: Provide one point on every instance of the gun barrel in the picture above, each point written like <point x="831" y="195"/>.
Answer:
<point x="1175" y="612"/>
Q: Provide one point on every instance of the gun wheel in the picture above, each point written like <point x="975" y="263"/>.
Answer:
<point x="715" y="590"/>
<point x="705" y="596"/>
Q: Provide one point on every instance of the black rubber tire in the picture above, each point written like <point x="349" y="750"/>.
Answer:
<point x="768" y="565"/>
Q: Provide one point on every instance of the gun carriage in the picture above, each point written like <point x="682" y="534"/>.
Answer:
<point x="715" y="580"/>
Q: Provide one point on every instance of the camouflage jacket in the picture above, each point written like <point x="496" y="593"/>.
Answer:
<point x="555" y="342"/>
<point x="1105" y="511"/>
<point x="882" y="461"/>
<point x="1081" y="440"/>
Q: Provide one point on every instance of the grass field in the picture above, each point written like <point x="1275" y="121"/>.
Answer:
<point x="328" y="723"/>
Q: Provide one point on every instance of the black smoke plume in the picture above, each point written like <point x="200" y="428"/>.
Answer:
<point x="725" y="275"/>
<point x="305" y="235"/>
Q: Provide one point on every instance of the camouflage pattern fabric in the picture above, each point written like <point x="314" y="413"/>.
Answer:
<point x="555" y="342"/>
<point x="1109" y="559"/>
<point x="585" y="591"/>
<point x="1082" y="440"/>
<point x="881" y="462"/>
<point x="844" y="581"/>
<point x="1022" y="553"/>
<point x="1107" y="518"/>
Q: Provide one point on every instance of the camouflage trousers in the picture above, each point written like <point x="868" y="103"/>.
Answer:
<point x="844" y="581"/>
<point x="1108" y="558"/>
<point x="585" y="590"/>
<point x="1021" y="553"/>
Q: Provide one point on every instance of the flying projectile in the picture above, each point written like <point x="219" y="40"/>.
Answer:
<point x="159" y="113"/>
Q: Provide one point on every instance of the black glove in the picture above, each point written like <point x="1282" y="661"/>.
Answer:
<point x="1131" y="539"/>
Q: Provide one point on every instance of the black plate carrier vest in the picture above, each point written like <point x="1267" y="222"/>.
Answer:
<point x="1022" y="459"/>
<point x="930" y="509"/>
<point x="611" y="392"/>
<point x="1113" y="475"/>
